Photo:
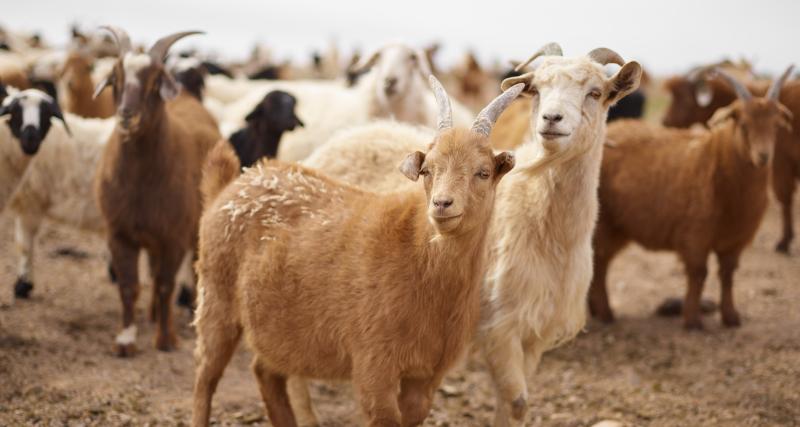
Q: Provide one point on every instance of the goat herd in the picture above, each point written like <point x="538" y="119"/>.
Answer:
<point x="393" y="232"/>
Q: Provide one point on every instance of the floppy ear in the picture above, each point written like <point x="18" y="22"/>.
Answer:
<point x="253" y="115"/>
<point x="55" y="111"/>
<point x="168" y="88"/>
<point x="624" y="82"/>
<point x="526" y="78"/>
<point x="503" y="163"/>
<point x="412" y="164"/>
<point x="423" y="65"/>
<point x="5" y="108"/>
<point x="722" y="114"/>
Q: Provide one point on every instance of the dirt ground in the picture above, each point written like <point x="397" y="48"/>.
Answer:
<point x="57" y="368"/>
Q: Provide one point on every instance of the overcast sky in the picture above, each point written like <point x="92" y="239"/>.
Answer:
<point x="665" y="36"/>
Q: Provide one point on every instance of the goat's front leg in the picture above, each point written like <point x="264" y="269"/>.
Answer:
<point x="727" y="266"/>
<point x="506" y="359"/>
<point x="416" y="397"/>
<point x="300" y="399"/>
<point x="377" y="388"/>
<point x="124" y="259"/>
<point x="25" y="230"/>
<point x="273" y="392"/>
<point x="164" y="264"/>
<point x="696" y="272"/>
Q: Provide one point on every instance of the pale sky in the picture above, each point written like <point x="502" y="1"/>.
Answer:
<point x="665" y="36"/>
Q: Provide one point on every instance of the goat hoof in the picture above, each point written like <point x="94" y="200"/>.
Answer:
<point x="782" y="247"/>
<point x="672" y="307"/>
<point x="23" y="288"/>
<point x="166" y="342"/>
<point x="693" y="325"/>
<point x="518" y="408"/>
<point x="731" y="320"/>
<point x="185" y="298"/>
<point x="125" y="350"/>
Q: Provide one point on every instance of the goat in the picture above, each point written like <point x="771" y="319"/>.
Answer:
<point x="691" y="193"/>
<point x="695" y="98"/>
<point x="273" y="116"/>
<point x="147" y="184"/>
<point x="540" y="261"/>
<point x="404" y="260"/>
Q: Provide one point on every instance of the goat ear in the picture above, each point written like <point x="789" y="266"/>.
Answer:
<point x="364" y="65"/>
<point x="55" y="111"/>
<point x="253" y="115"/>
<point x="787" y="117"/>
<point x="102" y="85"/>
<point x="503" y="163"/>
<point x="722" y="114"/>
<point x="526" y="78"/>
<point x="168" y="88"/>
<point x="412" y="164"/>
<point x="624" y="82"/>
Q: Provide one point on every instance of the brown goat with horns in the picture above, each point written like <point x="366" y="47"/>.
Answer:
<point x="327" y="281"/>
<point x="672" y="189"/>
<point x="148" y="181"/>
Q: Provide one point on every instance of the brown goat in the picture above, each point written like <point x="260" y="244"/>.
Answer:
<point x="79" y="99"/>
<point x="694" y="100"/>
<point x="675" y="189"/>
<point x="147" y="184"/>
<point x="328" y="281"/>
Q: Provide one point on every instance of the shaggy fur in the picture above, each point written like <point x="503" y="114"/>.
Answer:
<point x="412" y="282"/>
<point x="699" y="193"/>
<point x="684" y="111"/>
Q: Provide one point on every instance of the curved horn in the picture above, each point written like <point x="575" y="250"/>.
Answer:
<point x="741" y="91"/>
<point x="699" y="72"/>
<point x="774" y="91"/>
<point x="160" y="48"/>
<point x="605" y="56"/>
<point x="121" y="38"/>
<point x="443" y="101"/>
<point x="552" y="49"/>
<point x="488" y="116"/>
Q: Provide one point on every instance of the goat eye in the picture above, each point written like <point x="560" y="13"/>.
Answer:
<point x="483" y="174"/>
<point x="594" y="93"/>
<point x="424" y="172"/>
<point x="533" y="91"/>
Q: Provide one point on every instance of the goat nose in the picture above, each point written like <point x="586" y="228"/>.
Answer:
<point x="763" y="157"/>
<point x="553" y="117"/>
<point x="443" y="202"/>
<point x="390" y="82"/>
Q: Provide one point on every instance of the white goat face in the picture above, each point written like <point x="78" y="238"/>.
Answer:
<point x="396" y="69"/>
<point x="567" y="94"/>
<point x="571" y="96"/>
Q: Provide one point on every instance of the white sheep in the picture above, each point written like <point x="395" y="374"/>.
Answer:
<point x="393" y="87"/>
<point x="545" y="213"/>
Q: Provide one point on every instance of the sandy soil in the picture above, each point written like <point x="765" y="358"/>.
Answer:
<point x="57" y="368"/>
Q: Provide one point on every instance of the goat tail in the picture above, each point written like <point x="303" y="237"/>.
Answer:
<point x="222" y="166"/>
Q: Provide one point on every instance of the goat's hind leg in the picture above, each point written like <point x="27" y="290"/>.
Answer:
<point x="217" y="338"/>
<point x="273" y="391"/>
<point x="300" y="398"/>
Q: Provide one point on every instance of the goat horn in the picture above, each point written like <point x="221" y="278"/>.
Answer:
<point x="121" y="38"/>
<point x="605" y="56"/>
<point x="160" y="48"/>
<point x="774" y="91"/>
<point x="741" y="91"/>
<point x="443" y="101"/>
<point x="488" y="116"/>
<point x="552" y="49"/>
<point x="695" y="74"/>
